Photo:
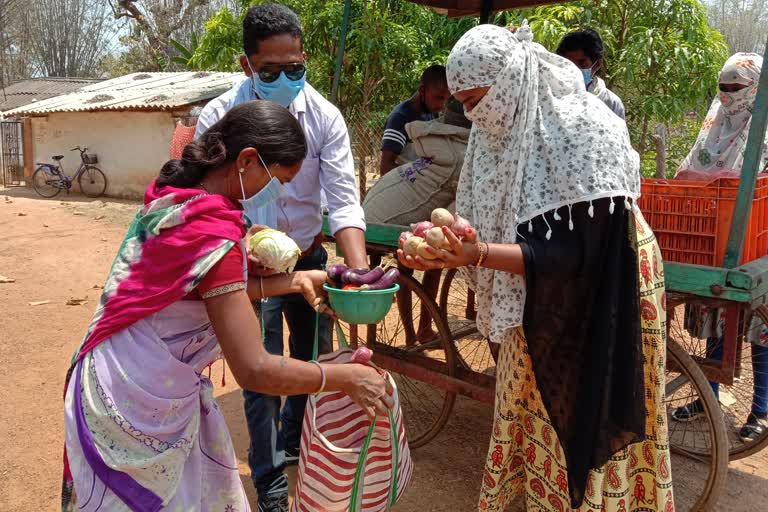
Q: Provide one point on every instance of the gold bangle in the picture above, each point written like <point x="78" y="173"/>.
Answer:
<point x="484" y="250"/>
<point x="479" y="254"/>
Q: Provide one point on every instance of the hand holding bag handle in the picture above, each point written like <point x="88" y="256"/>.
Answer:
<point x="356" y="501"/>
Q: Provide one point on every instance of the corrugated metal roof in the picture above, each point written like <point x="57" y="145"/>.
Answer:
<point x="138" y="91"/>
<point x="24" y="92"/>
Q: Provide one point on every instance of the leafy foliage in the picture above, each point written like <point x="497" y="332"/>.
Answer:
<point x="662" y="56"/>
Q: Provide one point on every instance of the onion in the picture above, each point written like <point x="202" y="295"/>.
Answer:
<point x="461" y="226"/>
<point x="362" y="355"/>
<point x="405" y="235"/>
<point x="420" y="229"/>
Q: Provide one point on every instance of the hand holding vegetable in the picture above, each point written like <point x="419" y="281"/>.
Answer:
<point x="256" y="267"/>
<point x="431" y="242"/>
<point x="459" y="254"/>
<point x="368" y="388"/>
<point x="274" y="249"/>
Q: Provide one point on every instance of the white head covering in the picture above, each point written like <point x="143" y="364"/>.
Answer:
<point x="539" y="143"/>
<point x="723" y="137"/>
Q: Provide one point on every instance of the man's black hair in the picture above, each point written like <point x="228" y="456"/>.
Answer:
<point x="586" y="40"/>
<point x="434" y="76"/>
<point x="267" y="20"/>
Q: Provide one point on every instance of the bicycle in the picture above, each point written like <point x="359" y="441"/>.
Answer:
<point x="49" y="180"/>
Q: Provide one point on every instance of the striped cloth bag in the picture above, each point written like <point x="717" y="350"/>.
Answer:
<point x="349" y="463"/>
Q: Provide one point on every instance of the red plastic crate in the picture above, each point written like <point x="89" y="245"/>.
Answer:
<point x="692" y="219"/>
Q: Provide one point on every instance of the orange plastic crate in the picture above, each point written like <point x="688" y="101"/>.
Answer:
<point x="692" y="219"/>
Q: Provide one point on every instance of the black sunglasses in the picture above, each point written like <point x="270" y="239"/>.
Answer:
<point x="270" y="73"/>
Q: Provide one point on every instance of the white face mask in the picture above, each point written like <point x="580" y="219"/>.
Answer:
<point x="267" y="195"/>
<point x="740" y="101"/>
<point x="486" y="114"/>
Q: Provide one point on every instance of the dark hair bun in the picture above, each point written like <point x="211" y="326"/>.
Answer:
<point x="265" y="126"/>
<point x="196" y="160"/>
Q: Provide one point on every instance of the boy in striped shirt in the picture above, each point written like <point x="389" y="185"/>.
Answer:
<point x="428" y="101"/>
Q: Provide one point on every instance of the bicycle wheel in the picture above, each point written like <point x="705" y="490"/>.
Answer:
<point x="93" y="182"/>
<point x="425" y="407"/>
<point x="46" y="184"/>
<point x="699" y="448"/>
<point x="473" y="352"/>
<point x="736" y="399"/>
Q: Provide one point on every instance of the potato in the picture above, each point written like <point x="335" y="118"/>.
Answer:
<point x="436" y="238"/>
<point x="424" y="253"/>
<point x="411" y="245"/>
<point x="442" y="217"/>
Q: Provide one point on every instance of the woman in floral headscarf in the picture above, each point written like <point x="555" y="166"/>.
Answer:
<point x="719" y="152"/>
<point x="719" y="148"/>
<point x="568" y="281"/>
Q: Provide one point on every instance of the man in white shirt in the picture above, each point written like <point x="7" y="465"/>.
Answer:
<point x="274" y="65"/>
<point x="585" y="49"/>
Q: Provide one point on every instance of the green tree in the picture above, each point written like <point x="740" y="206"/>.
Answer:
<point x="388" y="44"/>
<point x="662" y="58"/>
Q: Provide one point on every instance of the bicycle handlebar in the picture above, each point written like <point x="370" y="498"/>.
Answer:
<point x="78" y="148"/>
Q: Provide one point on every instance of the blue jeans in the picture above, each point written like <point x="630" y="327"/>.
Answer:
<point x="271" y="430"/>
<point x="759" y="371"/>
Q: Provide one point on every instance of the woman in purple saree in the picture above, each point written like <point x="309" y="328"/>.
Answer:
<point x="142" y="429"/>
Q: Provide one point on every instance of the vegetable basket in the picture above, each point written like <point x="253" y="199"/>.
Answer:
<point x="361" y="306"/>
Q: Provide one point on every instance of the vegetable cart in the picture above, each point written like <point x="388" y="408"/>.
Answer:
<point x="449" y="358"/>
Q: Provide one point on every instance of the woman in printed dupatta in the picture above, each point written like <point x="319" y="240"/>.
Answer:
<point x="568" y="281"/>
<point x="719" y="148"/>
<point x="142" y="430"/>
<point x="719" y="153"/>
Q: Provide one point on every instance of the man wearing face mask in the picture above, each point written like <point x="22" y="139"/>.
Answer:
<point x="585" y="49"/>
<point x="274" y="64"/>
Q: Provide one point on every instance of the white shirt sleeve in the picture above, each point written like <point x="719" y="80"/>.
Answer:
<point x="337" y="178"/>
<point x="210" y="114"/>
<point x="613" y="101"/>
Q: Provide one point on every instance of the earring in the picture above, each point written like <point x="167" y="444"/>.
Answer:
<point x="242" y="170"/>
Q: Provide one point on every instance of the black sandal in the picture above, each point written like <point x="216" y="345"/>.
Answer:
<point x="754" y="428"/>
<point x="688" y="413"/>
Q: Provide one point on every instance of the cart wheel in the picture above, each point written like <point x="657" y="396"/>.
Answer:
<point x="700" y="449"/>
<point x="736" y="399"/>
<point x="425" y="407"/>
<point x="473" y="352"/>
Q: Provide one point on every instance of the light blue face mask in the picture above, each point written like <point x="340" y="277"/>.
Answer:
<point x="255" y="206"/>
<point x="588" y="75"/>
<point x="282" y="91"/>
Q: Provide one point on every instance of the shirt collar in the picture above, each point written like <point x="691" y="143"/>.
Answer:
<point x="299" y="105"/>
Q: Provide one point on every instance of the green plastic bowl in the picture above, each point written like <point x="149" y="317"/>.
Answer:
<point x="361" y="306"/>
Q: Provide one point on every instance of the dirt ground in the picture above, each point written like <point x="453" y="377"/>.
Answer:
<point x="60" y="249"/>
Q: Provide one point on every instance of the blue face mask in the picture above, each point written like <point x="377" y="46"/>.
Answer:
<point x="588" y="74"/>
<point x="282" y="91"/>
<point x="261" y="199"/>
